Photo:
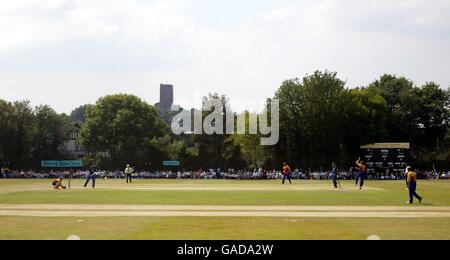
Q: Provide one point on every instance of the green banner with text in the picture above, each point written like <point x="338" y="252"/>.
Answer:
<point x="171" y="163"/>
<point x="62" y="164"/>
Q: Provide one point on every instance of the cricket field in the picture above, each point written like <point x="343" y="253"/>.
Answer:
<point x="222" y="210"/>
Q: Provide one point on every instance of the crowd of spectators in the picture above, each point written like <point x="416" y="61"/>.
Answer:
<point x="258" y="174"/>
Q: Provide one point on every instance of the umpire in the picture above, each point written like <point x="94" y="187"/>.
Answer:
<point x="334" y="175"/>
<point x="129" y="172"/>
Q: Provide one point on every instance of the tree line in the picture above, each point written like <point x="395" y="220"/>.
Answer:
<point x="321" y="121"/>
<point x="29" y="134"/>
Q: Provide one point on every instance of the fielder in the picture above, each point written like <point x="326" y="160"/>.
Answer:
<point x="286" y="173"/>
<point x="412" y="186"/>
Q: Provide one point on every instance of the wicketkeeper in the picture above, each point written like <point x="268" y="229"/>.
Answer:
<point x="58" y="184"/>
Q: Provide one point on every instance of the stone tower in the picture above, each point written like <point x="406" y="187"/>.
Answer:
<point x="165" y="98"/>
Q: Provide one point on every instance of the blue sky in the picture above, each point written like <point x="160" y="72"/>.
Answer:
<point x="70" y="52"/>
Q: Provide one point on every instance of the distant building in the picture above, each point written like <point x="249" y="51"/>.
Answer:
<point x="73" y="146"/>
<point x="165" y="97"/>
<point x="164" y="107"/>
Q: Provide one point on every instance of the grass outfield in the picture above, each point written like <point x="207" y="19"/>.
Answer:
<point x="436" y="193"/>
<point x="170" y="228"/>
<point x="221" y="193"/>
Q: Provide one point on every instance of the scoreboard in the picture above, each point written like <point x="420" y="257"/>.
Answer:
<point x="392" y="158"/>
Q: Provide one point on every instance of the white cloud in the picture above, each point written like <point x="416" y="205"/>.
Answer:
<point x="98" y="47"/>
<point x="43" y="21"/>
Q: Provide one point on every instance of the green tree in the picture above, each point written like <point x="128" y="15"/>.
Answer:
<point x="177" y="148"/>
<point x="443" y="153"/>
<point x="366" y="116"/>
<point x="29" y="135"/>
<point x="218" y="150"/>
<point x="428" y="108"/>
<point x="398" y="92"/>
<point x="123" y="126"/>
<point x="50" y="131"/>
<point x="78" y="114"/>
<point x="250" y="144"/>
<point x="16" y="133"/>
<point x="311" y="120"/>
